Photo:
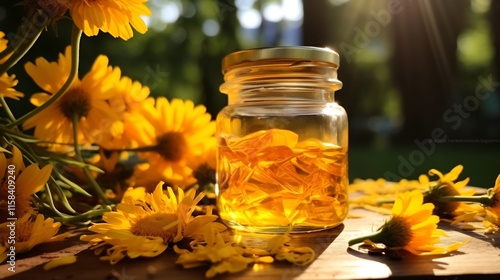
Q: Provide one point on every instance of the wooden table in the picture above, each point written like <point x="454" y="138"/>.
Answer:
<point x="479" y="259"/>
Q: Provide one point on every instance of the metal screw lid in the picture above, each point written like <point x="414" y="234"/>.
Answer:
<point x="299" y="53"/>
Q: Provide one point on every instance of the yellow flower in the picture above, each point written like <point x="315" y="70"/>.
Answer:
<point x="3" y="45"/>
<point x="19" y="181"/>
<point x="445" y="186"/>
<point x="228" y="256"/>
<point x="30" y="231"/>
<point x="7" y="83"/>
<point x="138" y="193"/>
<point x="487" y="206"/>
<point x="87" y="98"/>
<point x="146" y="223"/>
<point x="493" y="208"/>
<point x="177" y="135"/>
<point x="378" y="195"/>
<point x="412" y="227"/>
<point x="129" y="95"/>
<point x="116" y="17"/>
<point x="224" y="256"/>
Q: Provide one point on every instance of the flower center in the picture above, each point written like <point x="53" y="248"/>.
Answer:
<point x="443" y="209"/>
<point x="23" y="204"/>
<point x="396" y="232"/>
<point x="171" y="146"/>
<point x="23" y="232"/>
<point x="495" y="200"/>
<point x="75" y="101"/>
<point x="152" y="225"/>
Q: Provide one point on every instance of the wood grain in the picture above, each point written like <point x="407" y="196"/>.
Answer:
<point x="479" y="259"/>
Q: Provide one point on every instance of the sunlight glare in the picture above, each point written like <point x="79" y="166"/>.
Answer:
<point x="293" y="10"/>
<point x="338" y="2"/>
<point x="170" y="12"/>
<point x="244" y="4"/>
<point x="258" y="267"/>
<point x="249" y="19"/>
<point x="211" y="27"/>
<point x="189" y="10"/>
<point x="147" y="20"/>
<point x="480" y="6"/>
<point x="272" y="12"/>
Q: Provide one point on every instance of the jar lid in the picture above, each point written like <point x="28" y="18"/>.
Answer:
<point x="295" y="53"/>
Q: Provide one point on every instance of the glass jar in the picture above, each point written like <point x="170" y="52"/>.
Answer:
<point x="282" y="141"/>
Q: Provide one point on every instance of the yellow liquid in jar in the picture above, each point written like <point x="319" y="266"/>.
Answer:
<point x="268" y="181"/>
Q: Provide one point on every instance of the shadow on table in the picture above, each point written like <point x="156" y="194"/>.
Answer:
<point x="493" y="239"/>
<point x="407" y="264"/>
<point x="319" y="241"/>
<point x="88" y="265"/>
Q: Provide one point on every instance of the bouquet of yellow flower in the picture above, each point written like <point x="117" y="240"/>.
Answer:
<point x="97" y="147"/>
<point x="90" y="136"/>
<point x="86" y="128"/>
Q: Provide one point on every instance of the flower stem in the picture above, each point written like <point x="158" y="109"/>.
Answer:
<point x="483" y="199"/>
<point x="138" y="149"/>
<point x="75" y="54"/>
<point x="27" y="41"/>
<point x="85" y="169"/>
<point x="384" y="201"/>
<point x="84" y="217"/>
<point x="373" y="237"/>
<point x="7" y="109"/>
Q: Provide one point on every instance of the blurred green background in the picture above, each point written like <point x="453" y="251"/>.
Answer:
<point x="421" y="78"/>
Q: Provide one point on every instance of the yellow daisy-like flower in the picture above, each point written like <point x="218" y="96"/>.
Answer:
<point x="116" y="17"/>
<point x="129" y="95"/>
<point x="447" y="195"/>
<point x="492" y="219"/>
<point x="146" y="223"/>
<point x="378" y="195"/>
<point x="176" y="136"/>
<point x="412" y="227"/>
<point x="26" y="181"/>
<point x="3" y="45"/>
<point x="445" y="186"/>
<point x="87" y="98"/>
<point x="30" y="231"/>
<point x="7" y="83"/>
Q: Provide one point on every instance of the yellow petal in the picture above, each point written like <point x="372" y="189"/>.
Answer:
<point x="64" y="260"/>
<point x="423" y="179"/>
<point x="453" y="174"/>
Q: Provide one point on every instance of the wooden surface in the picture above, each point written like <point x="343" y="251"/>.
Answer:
<point x="479" y="259"/>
